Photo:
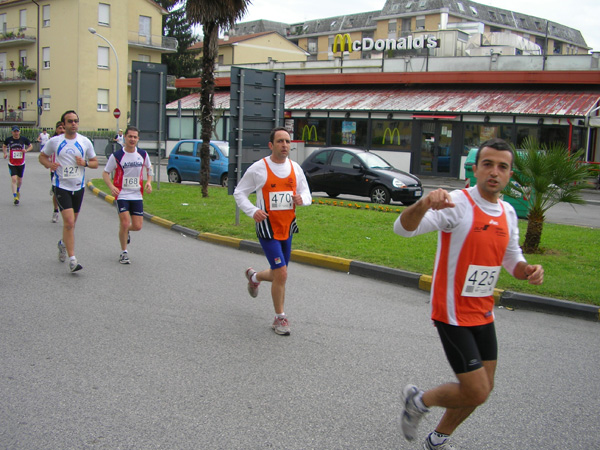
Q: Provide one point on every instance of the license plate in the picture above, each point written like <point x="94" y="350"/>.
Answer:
<point x="418" y="193"/>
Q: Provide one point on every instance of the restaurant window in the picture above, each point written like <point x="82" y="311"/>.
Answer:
<point x="391" y="134"/>
<point x="349" y="132"/>
<point x="181" y="128"/>
<point x="476" y="134"/>
<point x="524" y="132"/>
<point x="311" y="131"/>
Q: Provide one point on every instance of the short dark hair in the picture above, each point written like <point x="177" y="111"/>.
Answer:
<point x="275" y="130"/>
<point x="131" y="128"/>
<point x="496" y="144"/>
<point x="62" y="118"/>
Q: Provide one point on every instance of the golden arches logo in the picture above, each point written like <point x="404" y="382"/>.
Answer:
<point x="393" y="133"/>
<point x="342" y="41"/>
<point x="309" y="130"/>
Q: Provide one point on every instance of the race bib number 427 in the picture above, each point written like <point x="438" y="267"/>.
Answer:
<point x="480" y="281"/>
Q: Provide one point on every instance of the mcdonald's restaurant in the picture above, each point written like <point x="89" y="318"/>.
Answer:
<point x="423" y="128"/>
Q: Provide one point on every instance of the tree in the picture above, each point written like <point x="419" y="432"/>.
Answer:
<point x="183" y="63"/>
<point x="212" y="15"/>
<point x="545" y="175"/>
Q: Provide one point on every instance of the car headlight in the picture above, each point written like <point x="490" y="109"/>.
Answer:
<point x="397" y="183"/>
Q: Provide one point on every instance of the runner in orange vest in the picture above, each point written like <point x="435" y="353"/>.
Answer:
<point x="478" y="234"/>
<point x="280" y="186"/>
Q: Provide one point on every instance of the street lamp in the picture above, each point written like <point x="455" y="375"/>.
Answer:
<point x="93" y="31"/>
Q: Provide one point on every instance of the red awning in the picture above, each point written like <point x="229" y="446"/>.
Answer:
<point x="569" y="103"/>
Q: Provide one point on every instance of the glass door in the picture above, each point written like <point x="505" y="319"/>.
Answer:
<point x="436" y="147"/>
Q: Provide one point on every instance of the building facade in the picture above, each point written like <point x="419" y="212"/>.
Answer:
<point x="51" y="62"/>
<point x="481" y="28"/>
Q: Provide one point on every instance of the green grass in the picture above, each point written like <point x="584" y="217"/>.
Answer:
<point x="570" y="259"/>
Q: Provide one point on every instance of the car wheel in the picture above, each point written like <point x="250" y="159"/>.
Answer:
<point x="333" y="194"/>
<point x="380" y="194"/>
<point x="224" y="180"/>
<point x="174" y="176"/>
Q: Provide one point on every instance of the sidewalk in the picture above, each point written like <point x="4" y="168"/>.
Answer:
<point x="503" y="298"/>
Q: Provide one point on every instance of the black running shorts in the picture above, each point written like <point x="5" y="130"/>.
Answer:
<point x="467" y="347"/>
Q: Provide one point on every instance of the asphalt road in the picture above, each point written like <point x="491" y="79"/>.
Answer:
<point x="172" y="353"/>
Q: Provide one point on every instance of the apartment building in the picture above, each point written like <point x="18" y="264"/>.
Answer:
<point x="431" y="27"/>
<point x="57" y="55"/>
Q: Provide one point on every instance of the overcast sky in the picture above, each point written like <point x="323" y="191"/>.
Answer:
<point x="583" y="15"/>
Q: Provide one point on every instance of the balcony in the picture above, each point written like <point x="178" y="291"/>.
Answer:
<point x="164" y="44"/>
<point x="18" y="76"/>
<point x="12" y="37"/>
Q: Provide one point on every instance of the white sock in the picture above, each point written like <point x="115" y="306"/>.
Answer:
<point x="418" y="401"/>
<point x="280" y="316"/>
<point x="254" y="279"/>
<point x="72" y="258"/>
<point x="438" y="438"/>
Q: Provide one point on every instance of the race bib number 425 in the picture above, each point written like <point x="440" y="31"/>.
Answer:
<point x="480" y="281"/>
<point x="280" y="201"/>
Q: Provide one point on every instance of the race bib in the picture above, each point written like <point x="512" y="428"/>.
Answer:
<point x="131" y="182"/>
<point x="71" y="172"/>
<point x="281" y="200"/>
<point x="480" y="281"/>
<point x="17" y="154"/>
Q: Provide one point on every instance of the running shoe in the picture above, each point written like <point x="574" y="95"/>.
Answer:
<point x="412" y="415"/>
<point x="62" y="251"/>
<point x="124" y="258"/>
<point x="74" y="266"/>
<point x="252" y="286"/>
<point x="16" y="202"/>
<point x="54" y="217"/>
<point x="427" y="445"/>
<point x="281" y="326"/>
<point x="128" y="238"/>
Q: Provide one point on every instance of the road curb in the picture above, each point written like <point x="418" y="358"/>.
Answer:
<point x="397" y="276"/>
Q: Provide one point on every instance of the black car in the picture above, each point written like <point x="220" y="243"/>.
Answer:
<point x="358" y="172"/>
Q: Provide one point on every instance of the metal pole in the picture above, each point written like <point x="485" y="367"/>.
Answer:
<point x="240" y="134"/>
<point x="277" y="99"/>
<point x="161" y="106"/>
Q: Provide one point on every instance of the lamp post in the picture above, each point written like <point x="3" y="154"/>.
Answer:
<point x="93" y="31"/>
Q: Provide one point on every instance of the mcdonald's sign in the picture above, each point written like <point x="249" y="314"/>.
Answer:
<point x="395" y="132"/>
<point x="309" y="130"/>
<point x="343" y="42"/>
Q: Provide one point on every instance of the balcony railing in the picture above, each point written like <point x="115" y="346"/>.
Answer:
<point x="14" y="76"/>
<point x="164" y="43"/>
<point x="17" y="36"/>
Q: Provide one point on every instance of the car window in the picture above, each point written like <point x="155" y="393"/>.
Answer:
<point x="373" y="161"/>
<point x="224" y="147"/>
<point x="213" y="153"/>
<point x="186" y="148"/>
<point x="344" y="159"/>
<point x="322" y="157"/>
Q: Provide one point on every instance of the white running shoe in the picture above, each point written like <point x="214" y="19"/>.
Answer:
<point x="54" y="217"/>
<point x="62" y="251"/>
<point x="252" y="286"/>
<point x="74" y="266"/>
<point x="124" y="258"/>
<point x="412" y="415"/>
<point x="281" y="326"/>
<point x="427" y="445"/>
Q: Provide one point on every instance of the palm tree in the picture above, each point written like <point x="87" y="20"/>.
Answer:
<point x="212" y="15"/>
<point x="545" y="175"/>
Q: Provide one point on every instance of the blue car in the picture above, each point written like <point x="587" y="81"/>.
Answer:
<point x="184" y="162"/>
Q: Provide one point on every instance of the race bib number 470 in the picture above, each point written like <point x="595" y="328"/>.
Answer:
<point x="480" y="281"/>
<point x="280" y="201"/>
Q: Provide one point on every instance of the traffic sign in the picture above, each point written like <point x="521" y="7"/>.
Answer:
<point x="117" y="113"/>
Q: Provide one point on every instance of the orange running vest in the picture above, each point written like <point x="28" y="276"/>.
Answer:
<point x="277" y="197"/>
<point x="467" y="266"/>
